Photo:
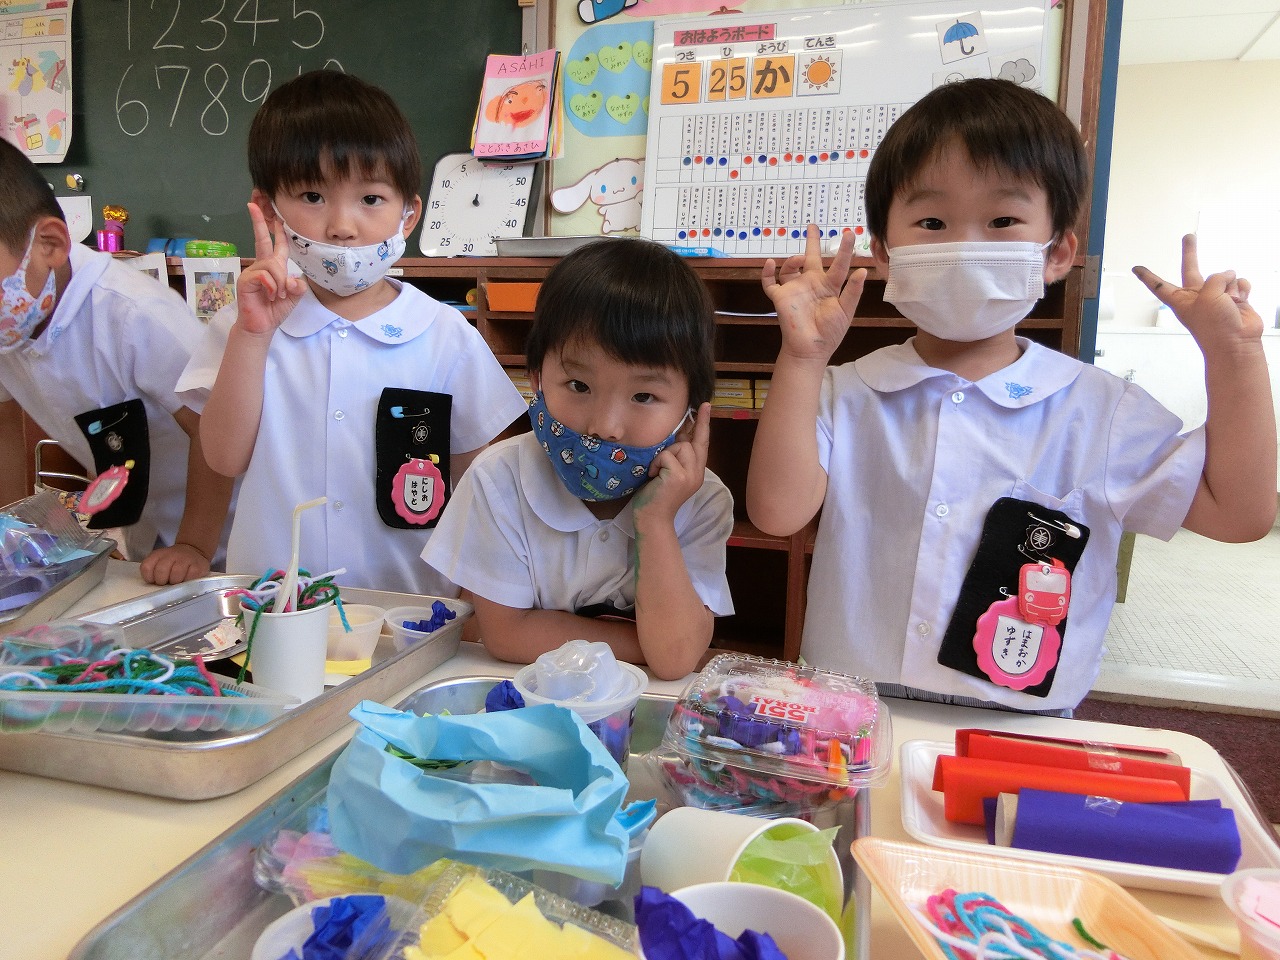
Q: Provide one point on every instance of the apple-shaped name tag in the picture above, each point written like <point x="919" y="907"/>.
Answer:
<point x="418" y="490"/>
<point x="105" y="489"/>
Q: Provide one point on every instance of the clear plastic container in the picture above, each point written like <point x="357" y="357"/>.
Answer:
<point x="26" y="711"/>
<point x="57" y="641"/>
<point x="404" y="637"/>
<point x="751" y="732"/>
<point x="1242" y="892"/>
<point x="359" y="642"/>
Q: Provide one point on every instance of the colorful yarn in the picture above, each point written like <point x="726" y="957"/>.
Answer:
<point x="124" y="670"/>
<point x="260" y="597"/>
<point x="976" y="926"/>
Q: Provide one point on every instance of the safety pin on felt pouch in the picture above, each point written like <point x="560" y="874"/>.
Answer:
<point x="1070" y="529"/>
<point x="420" y="429"/>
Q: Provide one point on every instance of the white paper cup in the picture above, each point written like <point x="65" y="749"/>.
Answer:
<point x="287" y="652"/>
<point x="359" y="642"/>
<point x="1258" y="939"/>
<point x="689" y="846"/>
<point x="801" y="930"/>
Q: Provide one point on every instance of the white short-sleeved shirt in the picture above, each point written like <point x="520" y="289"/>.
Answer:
<point x="514" y="535"/>
<point x="915" y="459"/>
<point x="324" y="377"/>
<point x="115" y="335"/>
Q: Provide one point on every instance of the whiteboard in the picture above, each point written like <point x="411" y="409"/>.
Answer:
<point x="764" y="122"/>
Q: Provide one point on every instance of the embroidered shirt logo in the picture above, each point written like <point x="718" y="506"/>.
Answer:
<point x="389" y="330"/>
<point x="1017" y="391"/>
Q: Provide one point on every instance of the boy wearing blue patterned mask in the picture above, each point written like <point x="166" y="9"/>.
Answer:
<point x="342" y="382"/>
<point x="603" y="523"/>
<point x="974" y="485"/>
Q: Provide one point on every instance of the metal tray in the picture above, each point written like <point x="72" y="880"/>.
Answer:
<point x="63" y="594"/>
<point x="197" y="767"/>
<point x="211" y="907"/>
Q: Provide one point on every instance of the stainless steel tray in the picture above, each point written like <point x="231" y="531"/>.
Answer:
<point x="198" y="768"/>
<point x="63" y="594"/>
<point x="211" y="907"/>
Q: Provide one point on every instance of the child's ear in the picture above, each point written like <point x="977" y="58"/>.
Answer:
<point x="880" y="254"/>
<point x="414" y="207"/>
<point x="264" y="203"/>
<point x="1059" y="258"/>
<point x="535" y="380"/>
<point x="51" y="243"/>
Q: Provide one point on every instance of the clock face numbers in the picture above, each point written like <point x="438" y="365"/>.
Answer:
<point x="472" y="204"/>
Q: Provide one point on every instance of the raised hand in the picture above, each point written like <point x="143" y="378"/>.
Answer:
<point x="1216" y="310"/>
<point x="814" y="305"/>
<point x="678" y="471"/>
<point x="265" y="292"/>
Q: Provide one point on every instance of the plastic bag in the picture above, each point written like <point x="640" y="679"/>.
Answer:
<point x="386" y="810"/>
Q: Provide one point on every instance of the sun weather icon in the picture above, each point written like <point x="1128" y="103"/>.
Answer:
<point x="819" y="73"/>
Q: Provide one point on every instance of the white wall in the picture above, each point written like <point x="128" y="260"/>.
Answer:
<point x="1188" y="136"/>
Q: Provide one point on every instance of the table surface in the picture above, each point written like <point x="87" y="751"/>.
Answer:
<point x="73" y="854"/>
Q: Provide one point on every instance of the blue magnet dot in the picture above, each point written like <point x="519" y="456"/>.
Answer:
<point x="795" y="234"/>
<point x="687" y="161"/>
<point x="742" y="234"/>
<point x="723" y="161"/>
<point x="682" y="235"/>
<point x="813" y="158"/>
<point x="715" y="232"/>
<point x="755" y="231"/>
<point x="763" y="158"/>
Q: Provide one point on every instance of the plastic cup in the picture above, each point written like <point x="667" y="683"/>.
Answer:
<point x="690" y="846"/>
<point x="357" y="643"/>
<point x="287" y="652"/>
<point x="801" y="930"/>
<point x="1259" y="940"/>
<point x="610" y="719"/>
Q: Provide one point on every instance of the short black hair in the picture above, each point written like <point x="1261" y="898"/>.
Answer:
<point x="1002" y="126"/>
<point x="326" y="122"/>
<point x="638" y="300"/>
<point x="27" y="198"/>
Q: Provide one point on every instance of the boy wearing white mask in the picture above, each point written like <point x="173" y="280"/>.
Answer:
<point x="341" y="383"/>
<point x="974" y="484"/>
<point x="91" y="348"/>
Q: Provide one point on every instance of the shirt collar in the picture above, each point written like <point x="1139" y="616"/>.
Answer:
<point x="554" y="505"/>
<point x="87" y="266"/>
<point x="1038" y="373"/>
<point x="397" y="322"/>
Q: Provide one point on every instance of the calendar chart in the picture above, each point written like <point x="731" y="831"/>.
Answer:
<point x="763" y="123"/>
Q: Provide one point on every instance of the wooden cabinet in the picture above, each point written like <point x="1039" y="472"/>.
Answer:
<point x="767" y="574"/>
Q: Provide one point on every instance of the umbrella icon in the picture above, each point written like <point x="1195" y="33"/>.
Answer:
<point x="959" y="32"/>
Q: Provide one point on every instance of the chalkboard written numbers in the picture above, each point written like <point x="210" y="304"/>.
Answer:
<point x="164" y="92"/>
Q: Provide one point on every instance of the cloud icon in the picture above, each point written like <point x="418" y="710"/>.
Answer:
<point x="1019" y="71"/>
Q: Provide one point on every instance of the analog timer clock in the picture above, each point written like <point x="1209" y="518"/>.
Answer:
<point x="472" y="203"/>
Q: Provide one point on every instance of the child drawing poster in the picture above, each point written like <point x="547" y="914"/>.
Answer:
<point x="35" y="85"/>
<point x="210" y="283"/>
<point x="515" y="119"/>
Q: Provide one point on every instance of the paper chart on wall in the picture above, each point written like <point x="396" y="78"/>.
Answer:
<point x="761" y="123"/>
<point x="35" y="86"/>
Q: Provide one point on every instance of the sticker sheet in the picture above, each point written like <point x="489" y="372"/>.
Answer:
<point x="35" y="86"/>
<point x="760" y="123"/>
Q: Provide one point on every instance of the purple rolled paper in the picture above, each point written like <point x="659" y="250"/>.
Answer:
<point x="1190" y="835"/>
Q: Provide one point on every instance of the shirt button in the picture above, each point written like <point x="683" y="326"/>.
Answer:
<point x="922" y="628"/>
<point x="604" y="536"/>
<point x="339" y="415"/>
<point x="957" y="397"/>
<point x="342" y="333"/>
<point x="942" y="509"/>
<point x="337" y="504"/>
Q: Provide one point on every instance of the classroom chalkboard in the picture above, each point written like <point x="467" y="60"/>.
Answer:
<point x="164" y="92"/>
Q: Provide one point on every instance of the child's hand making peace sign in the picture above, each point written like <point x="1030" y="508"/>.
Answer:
<point x="814" y="305"/>
<point x="266" y="293"/>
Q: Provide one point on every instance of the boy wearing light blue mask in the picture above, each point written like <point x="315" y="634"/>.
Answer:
<point x="974" y="484"/>
<point x="342" y="382"/>
<point x="603" y="523"/>
<point x="90" y="349"/>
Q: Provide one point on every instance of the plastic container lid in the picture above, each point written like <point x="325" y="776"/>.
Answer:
<point x="752" y="726"/>
<point x="624" y="689"/>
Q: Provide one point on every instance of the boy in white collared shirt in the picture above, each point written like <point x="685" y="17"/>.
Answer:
<point x="973" y="483"/>
<point x="371" y="393"/>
